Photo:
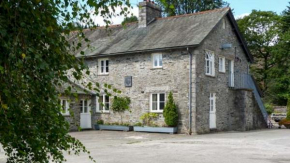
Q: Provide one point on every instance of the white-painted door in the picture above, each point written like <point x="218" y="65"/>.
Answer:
<point x="212" y="111"/>
<point x="85" y="111"/>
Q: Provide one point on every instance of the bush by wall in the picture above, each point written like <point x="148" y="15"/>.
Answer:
<point x="170" y="112"/>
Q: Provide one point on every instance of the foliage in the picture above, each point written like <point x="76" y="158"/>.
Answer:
<point x="120" y="104"/>
<point x="129" y="20"/>
<point x="288" y="110"/>
<point x="117" y="124"/>
<point x="179" y="7"/>
<point x="170" y="112"/>
<point x="269" y="108"/>
<point x="34" y="61"/>
<point x="100" y="122"/>
<point x="261" y="29"/>
<point x="138" y="124"/>
<point x="147" y="119"/>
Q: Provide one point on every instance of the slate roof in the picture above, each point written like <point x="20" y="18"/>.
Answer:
<point x="164" y="33"/>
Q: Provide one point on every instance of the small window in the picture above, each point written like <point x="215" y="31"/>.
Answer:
<point x="157" y="102"/>
<point x="64" y="107"/>
<point x="209" y="63"/>
<point x="222" y="66"/>
<point x="157" y="60"/>
<point x="103" y="103"/>
<point x="224" y="23"/>
<point x="104" y="66"/>
<point x="84" y="106"/>
<point x="212" y="102"/>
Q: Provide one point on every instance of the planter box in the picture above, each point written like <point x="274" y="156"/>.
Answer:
<point x="114" y="127"/>
<point x="171" y="130"/>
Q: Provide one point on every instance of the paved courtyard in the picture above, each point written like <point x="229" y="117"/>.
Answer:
<point x="261" y="146"/>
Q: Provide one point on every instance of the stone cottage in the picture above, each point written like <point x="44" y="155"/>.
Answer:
<point x="202" y="58"/>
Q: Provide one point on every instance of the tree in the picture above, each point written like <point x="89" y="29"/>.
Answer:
<point x="170" y="112"/>
<point x="129" y="19"/>
<point x="179" y="7"/>
<point x="261" y="31"/>
<point x="121" y="104"/>
<point x="35" y="57"/>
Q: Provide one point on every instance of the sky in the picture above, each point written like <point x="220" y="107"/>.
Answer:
<point x="241" y="8"/>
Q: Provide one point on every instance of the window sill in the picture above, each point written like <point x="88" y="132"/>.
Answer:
<point x="213" y="76"/>
<point x="104" y="112"/>
<point x="156" y="68"/>
<point x="103" y="74"/>
<point x="223" y="72"/>
<point x="157" y="112"/>
<point x="66" y="115"/>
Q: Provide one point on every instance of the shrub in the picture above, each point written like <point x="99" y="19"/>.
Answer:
<point x="285" y="122"/>
<point x="100" y="122"/>
<point x="288" y="109"/>
<point x="269" y="108"/>
<point x="120" y="104"/>
<point x="170" y="112"/>
<point x="147" y="118"/>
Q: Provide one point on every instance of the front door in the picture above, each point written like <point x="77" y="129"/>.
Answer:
<point x="85" y="111"/>
<point x="212" y="111"/>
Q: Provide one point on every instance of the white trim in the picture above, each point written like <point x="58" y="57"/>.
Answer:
<point x="104" y="66"/>
<point x="159" y="58"/>
<point x="158" y="103"/>
<point x="209" y="63"/>
<point x="222" y="64"/>
<point x="66" y="106"/>
<point x="102" y="110"/>
<point x="231" y="73"/>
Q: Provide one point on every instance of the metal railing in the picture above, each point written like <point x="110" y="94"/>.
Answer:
<point x="246" y="81"/>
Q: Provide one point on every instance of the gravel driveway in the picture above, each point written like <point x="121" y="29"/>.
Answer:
<point x="260" y="146"/>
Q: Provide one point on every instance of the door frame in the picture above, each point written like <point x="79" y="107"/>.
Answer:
<point x="86" y="114"/>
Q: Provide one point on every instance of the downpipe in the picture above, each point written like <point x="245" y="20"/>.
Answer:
<point x="190" y="92"/>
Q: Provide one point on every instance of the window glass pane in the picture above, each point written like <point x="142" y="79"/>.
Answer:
<point x="154" y="97"/>
<point x="86" y="107"/>
<point x="154" y="105"/>
<point x="101" y="103"/>
<point x="102" y="63"/>
<point x="162" y="97"/>
<point x="107" y="98"/>
<point x="155" y="59"/>
<point x="81" y="106"/>
<point x="160" y="59"/>
<point x="107" y="65"/>
<point x="63" y="106"/>
<point x="161" y="105"/>
<point x="107" y="105"/>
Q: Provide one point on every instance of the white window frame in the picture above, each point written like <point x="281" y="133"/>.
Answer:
<point x="158" y="103"/>
<point x="66" y="112"/>
<point x="224" y="23"/>
<point x="222" y="64"/>
<point x="159" y="62"/>
<point x="209" y="63"/>
<point x="83" y="105"/>
<point x="105" y="66"/>
<point x="212" y="102"/>
<point x="232" y="73"/>
<point x="102" y="109"/>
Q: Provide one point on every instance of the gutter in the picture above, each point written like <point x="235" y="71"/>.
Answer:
<point x="190" y="92"/>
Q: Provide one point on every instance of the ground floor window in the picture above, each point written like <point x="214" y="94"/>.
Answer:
<point x="64" y="106"/>
<point x="157" y="102"/>
<point x="103" y="103"/>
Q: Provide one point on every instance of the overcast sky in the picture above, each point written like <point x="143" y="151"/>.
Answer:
<point x="241" y="8"/>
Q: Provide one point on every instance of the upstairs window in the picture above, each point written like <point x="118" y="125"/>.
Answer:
<point x="64" y="107"/>
<point x="157" y="60"/>
<point x="209" y="63"/>
<point x="157" y="102"/>
<point x="104" y="66"/>
<point x="222" y="64"/>
<point x="103" y="103"/>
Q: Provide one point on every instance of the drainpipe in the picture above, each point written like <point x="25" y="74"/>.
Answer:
<point x="190" y="91"/>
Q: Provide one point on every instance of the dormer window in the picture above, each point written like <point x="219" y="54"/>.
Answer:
<point x="157" y="60"/>
<point x="104" y="66"/>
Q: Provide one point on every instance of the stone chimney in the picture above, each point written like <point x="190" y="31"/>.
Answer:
<point x="148" y="11"/>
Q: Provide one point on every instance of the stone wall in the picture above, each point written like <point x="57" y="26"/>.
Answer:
<point x="218" y="84"/>
<point x="74" y="120"/>
<point x="173" y="76"/>
<point x="247" y="113"/>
